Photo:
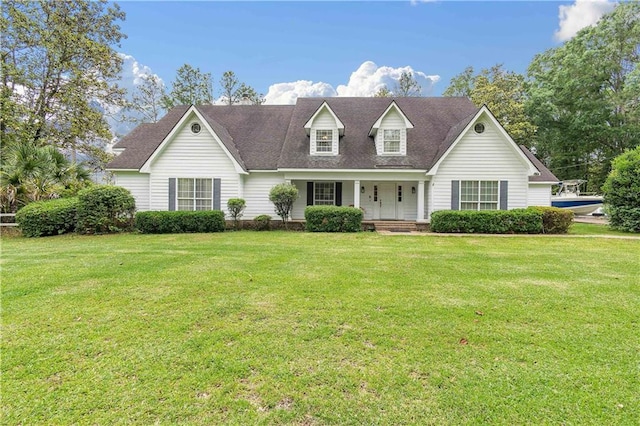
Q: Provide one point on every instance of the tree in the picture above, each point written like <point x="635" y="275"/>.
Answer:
<point x="462" y="84"/>
<point x="407" y="85"/>
<point x="33" y="173"/>
<point x="383" y="92"/>
<point x="147" y="100"/>
<point x="584" y="97"/>
<point x="236" y="207"/>
<point x="191" y="87"/>
<point x="622" y="192"/>
<point x="504" y="93"/>
<point x="234" y="92"/>
<point x="283" y="196"/>
<point x="58" y="67"/>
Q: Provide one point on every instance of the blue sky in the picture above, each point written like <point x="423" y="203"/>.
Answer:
<point x="323" y="43"/>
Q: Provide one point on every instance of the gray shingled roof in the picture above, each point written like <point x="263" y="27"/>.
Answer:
<point x="257" y="130"/>
<point x="144" y="139"/>
<point x="267" y="137"/>
<point x="545" y="174"/>
<point x="432" y="119"/>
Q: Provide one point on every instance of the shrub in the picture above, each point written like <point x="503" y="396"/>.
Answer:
<point x="622" y="192"/>
<point x="283" y="196"/>
<point x="262" y="222"/>
<point x="554" y="219"/>
<point x="333" y="219"/>
<point x="51" y="217"/>
<point x="236" y="207"/>
<point x="517" y="221"/>
<point x="175" y="222"/>
<point x="105" y="209"/>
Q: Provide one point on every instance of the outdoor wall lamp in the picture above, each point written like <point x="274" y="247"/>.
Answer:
<point x="413" y="189"/>
<point x="362" y="189"/>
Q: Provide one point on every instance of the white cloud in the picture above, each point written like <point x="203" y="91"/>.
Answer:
<point x="369" y="78"/>
<point x="581" y="14"/>
<point x="287" y="93"/>
<point x="133" y="72"/>
<point x="365" y="81"/>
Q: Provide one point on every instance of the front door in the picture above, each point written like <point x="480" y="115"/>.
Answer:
<point x="387" y="200"/>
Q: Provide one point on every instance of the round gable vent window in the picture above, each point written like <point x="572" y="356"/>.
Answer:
<point x="479" y="128"/>
<point x="195" y="128"/>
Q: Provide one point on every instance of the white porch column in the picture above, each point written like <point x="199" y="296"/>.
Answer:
<point x="421" y="201"/>
<point x="356" y="194"/>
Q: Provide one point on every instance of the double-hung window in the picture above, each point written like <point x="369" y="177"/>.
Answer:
<point x="195" y="194"/>
<point x="324" y="193"/>
<point x="391" y="141"/>
<point x="324" y="141"/>
<point x="479" y="195"/>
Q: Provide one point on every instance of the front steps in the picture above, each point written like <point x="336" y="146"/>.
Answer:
<point x="394" y="226"/>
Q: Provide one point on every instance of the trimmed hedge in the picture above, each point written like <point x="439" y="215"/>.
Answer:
<point x="555" y="220"/>
<point x="517" y="221"/>
<point x="333" y="219"/>
<point x="104" y="209"/>
<point x="262" y="222"/>
<point x="52" y="217"/>
<point x="175" y="222"/>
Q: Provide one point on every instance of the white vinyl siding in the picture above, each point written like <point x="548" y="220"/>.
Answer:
<point x="137" y="184"/>
<point x="539" y="194"/>
<point x="392" y="124"/>
<point x="256" y="194"/>
<point x="320" y="128"/>
<point x="487" y="157"/>
<point x="190" y="155"/>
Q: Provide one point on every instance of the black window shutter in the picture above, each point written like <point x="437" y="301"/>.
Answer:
<point x="504" y="195"/>
<point x="172" y="194"/>
<point x="338" y="193"/>
<point x="455" y="195"/>
<point x="309" y="193"/>
<point x="216" y="194"/>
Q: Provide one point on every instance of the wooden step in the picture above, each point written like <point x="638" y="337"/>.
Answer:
<point x="395" y="226"/>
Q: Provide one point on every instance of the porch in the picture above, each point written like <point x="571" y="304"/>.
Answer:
<point x="380" y="200"/>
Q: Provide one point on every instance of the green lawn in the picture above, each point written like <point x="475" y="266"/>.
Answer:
<point x="312" y="329"/>
<point x="578" y="228"/>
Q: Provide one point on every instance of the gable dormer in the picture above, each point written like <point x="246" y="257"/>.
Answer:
<point x="324" y="129"/>
<point x="390" y="131"/>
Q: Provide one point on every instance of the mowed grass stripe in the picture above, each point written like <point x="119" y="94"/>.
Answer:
<point x="296" y="328"/>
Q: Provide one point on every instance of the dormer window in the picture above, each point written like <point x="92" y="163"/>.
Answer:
<point x="324" y="141"/>
<point x="389" y="132"/>
<point x="392" y="141"/>
<point x="324" y="129"/>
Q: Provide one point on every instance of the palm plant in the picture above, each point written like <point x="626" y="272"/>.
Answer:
<point x="32" y="173"/>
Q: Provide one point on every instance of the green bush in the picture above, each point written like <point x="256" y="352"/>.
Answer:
<point x="554" y="219"/>
<point x="236" y="207"/>
<point x="333" y="219"/>
<point x="622" y="192"/>
<point x="517" y="221"/>
<point x="283" y="196"/>
<point x="262" y="222"/>
<point x="104" y="209"/>
<point x="52" y="217"/>
<point x="176" y="222"/>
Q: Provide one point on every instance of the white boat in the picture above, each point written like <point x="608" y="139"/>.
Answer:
<point x="568" y="197"/>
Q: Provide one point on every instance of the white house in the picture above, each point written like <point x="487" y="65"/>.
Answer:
<point x="397" y="159"/>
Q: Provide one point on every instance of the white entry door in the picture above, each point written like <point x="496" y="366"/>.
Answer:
<point x="387" y="200"/>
